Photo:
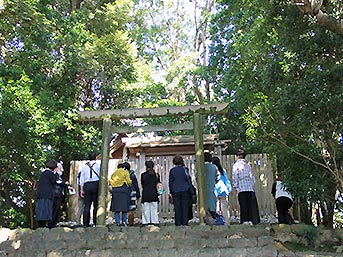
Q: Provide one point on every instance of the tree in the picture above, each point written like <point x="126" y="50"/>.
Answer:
<point x="172" y="35"/>
<point x="53" y="63"/>
<point x="279" y="72"/>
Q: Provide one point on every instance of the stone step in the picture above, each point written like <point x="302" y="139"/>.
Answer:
<point x="199" y="240"/>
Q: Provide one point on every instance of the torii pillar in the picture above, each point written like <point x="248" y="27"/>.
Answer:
<point x="108" y="115"/>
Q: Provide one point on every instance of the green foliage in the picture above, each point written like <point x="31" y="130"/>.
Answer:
<point x="310" y="233"/>
<point x="16" y="219"/>
<point x="52" y="64"/>
<point x="279" y="71"/>
<point x="171" y="35"/>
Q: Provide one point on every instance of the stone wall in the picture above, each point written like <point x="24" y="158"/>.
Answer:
<point x="166" y="240"/>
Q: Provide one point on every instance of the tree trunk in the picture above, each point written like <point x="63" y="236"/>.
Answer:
<point x="75" y="4"/>
<point x="305" y="212"/>
<point x="327" y="208"/>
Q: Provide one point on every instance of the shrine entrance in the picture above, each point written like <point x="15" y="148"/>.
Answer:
<point x="107" y="116"/>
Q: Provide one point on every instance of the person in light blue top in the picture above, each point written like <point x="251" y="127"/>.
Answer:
<point x="223" y="189"/>
<point x="212" y="177"/>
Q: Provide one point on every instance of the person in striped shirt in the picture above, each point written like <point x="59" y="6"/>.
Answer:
<point x="243" y="181"/>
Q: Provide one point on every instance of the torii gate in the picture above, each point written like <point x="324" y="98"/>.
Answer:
<point x="108" y="115"/>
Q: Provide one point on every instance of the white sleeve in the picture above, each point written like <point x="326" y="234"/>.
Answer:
<point x="83" y="175"/>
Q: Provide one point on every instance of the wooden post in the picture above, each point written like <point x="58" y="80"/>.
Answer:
<point x="73" y="199"/>
<point x="200" y="165"/>
<point x="103" y="184"/>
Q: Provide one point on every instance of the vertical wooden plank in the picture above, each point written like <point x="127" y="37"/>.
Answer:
<point x="161" y="170"/>
<point x="228" y="162"/>
<point x="75" y="167"/>
<point x="170" y="206"/>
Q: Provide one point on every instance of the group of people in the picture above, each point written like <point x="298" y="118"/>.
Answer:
<point x="243" y="182"/>
<point x="125" y="192"/>
<point x="218" y="188"/>
<point x="50" y="191"/>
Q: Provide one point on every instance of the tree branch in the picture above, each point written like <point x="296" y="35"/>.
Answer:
<point x="312" y="8"/>
<point x="330" y="23"/>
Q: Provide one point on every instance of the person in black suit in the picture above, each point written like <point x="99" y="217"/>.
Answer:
<point x="59" y="194"/>
<point x="45" y="195"/>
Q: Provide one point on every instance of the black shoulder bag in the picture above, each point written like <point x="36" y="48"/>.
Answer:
<point x="192" y="189"/>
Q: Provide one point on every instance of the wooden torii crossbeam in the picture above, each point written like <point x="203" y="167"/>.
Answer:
<point x="108" y="115"/>
<point x="152" y="112"/>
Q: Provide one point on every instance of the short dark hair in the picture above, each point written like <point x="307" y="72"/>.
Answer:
<point x="241" y="153"/>
<point x="52" y="164"/>
<point x="178" y="160"/>
<point x="92" y="155"/>
<point x="208" y="157"/>
<point x="127" y="166"/>
<point x="121" y="166"/>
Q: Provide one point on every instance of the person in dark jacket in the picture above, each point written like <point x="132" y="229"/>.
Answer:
<point x="45" y="195"/>
<point x="135" y="194"/>
<point x="59" y="190"/>
<point x="179" y="185"/>
<point x="149" y="180"/>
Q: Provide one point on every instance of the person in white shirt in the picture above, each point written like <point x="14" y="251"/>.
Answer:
<point x="89" y="188"/>
<point x="283" y="201"/>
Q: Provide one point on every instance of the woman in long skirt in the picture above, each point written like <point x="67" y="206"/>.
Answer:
<point x="45" y="195"/>
<point x="121" y="190"/>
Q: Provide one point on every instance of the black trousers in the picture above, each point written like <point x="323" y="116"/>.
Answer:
<point x="282" y="205"/>
<point x="248" y="207"/>
<point x="182" y="204"/>
<point x="56" y="212"/>
<point x="91" y="190"/>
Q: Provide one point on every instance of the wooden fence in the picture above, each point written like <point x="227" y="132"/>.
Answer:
<point x="261" y="168"/>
